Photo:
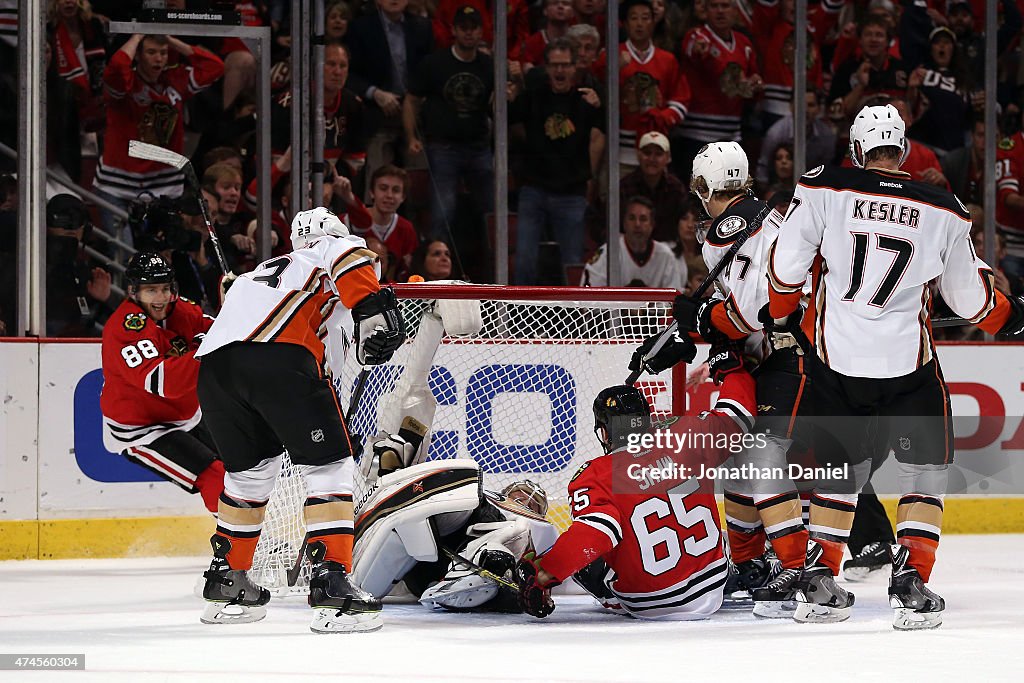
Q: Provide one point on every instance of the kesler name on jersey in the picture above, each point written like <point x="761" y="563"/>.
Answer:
<point x="886" y="212"/>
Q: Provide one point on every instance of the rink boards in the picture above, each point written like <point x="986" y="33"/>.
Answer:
<point x="63" y="495"/>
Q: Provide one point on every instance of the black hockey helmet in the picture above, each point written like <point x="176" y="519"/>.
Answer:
<point x="618" y="412"/>
<point x="148" y="268"/>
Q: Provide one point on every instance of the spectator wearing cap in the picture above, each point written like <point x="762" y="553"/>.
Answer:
<point x="79" y="298"/>
<point x="644" y="262"/>
<point x="721" y="68"/>
<point x="559" y="127"/>
<point x="386" y="46"/>
<point x="447" y="113"/>
<point x="874" y="72"/>
<point x="972" y="41"/>
<point x="653" y="180"/>
<point x="939" y="94"/>
<point x="820" y="146"/>
<point x="518" y="22"/>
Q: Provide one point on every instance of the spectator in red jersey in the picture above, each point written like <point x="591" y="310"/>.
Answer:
<point x="653" y="180"/>
<point x="558" y="14"/>
<point x="1010" y="196"/>
<point x="721" y="68"/>
<point x="874" y="73"/>
<point x="80" y="45"/>
<point x="388" y="186"/>
<point x="145" y="101"/>
<point x="654" y="94"/>
<point x="150" y="408"/>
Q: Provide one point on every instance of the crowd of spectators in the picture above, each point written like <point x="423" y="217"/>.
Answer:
<point x="408" y="100"/>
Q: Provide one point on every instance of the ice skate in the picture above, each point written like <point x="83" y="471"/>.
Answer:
<point x="871" y="559"/>
<point x="819" y="598"/>
<point x="339" y="605"/>
<point x="746" y="577"/>
<point x="916" y="607"/>
<point x="777" y="598"/>
<point x="231" y="595"/>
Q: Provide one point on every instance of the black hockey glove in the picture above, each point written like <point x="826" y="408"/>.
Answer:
<point x="534" y="598"/>
<point x="1013" y="330"/>
<point x="694" y="315"/>
<point x="662" y="351"/>
<point x="380" y="329"/>
<point x="725" y="359"/>
<point x="784" y="333"/>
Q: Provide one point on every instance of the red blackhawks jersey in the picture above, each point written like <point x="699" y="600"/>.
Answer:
<point x="1009" y="166"/>
<point x="148" y="388"/>
<point x="661" y="539"/>
<point x="137" y="110"/>
<point x="714" y="77"/>
<point x="775" y="40"/>
<point x="653" y="94"/>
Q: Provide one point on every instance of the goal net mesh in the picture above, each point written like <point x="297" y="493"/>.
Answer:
<point x="516" y="396"/>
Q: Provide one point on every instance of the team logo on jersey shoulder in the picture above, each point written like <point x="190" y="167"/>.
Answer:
<point x="814" y="172"/>
<point x="186" y="300"/>
<point x="731" y="225"/>
<point x="579" y="472"/>
<point x="665" y="422"/>
<point x="1006" y="144"/>
<point x="133" y="322"/>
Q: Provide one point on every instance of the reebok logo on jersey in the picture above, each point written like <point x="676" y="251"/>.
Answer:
<point x="886" y="212"/>
<point x="882" y="183"/>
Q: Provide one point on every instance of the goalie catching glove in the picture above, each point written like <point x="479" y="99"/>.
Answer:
<point x="663" y="350"/>
<point x="380" y="329"/>
<point x="534" y="595"/>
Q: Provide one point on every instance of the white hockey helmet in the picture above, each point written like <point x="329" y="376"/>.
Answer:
<point x="718" y="167"/>
<point x="528" y="494"/>
<point x="880" y="126"/>
<point x="313" y="223"/>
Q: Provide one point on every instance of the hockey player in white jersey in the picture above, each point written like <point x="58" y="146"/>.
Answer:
<point x="263" y="389"/>
<point x="742" y="230"/>
<point x="874" y="239"/>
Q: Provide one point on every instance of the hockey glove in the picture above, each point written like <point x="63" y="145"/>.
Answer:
<point x="380" y="329"/>
<point x="782" y="333"/>
<point x="1014" y="327"/>
<point x="662" y="351"/>
<point x="723" y="360"/>
<point x="534" y="598"/>
<point x="393" y="453"/>
<point x="694" y="315"/>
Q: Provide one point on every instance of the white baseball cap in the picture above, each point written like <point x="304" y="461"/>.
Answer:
<point x="655" y="138"/>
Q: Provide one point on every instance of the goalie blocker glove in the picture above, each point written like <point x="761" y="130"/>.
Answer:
<point x="380" y="329"/>
<point x="663" y="350"/>
<point x="534" y="598"/>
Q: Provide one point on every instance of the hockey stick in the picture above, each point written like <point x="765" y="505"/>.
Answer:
<point x="703" y="287"/>
<point x="144" y="150"/>
<point x="477" y="569"/>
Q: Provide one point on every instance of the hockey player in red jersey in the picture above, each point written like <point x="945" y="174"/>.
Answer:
<point x="885" y="238"/>
<point x="648" y="549"/>
<point x="150" y="407"/>
<point x="263" y="389"/>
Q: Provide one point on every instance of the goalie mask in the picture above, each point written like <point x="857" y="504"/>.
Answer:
<point x="618" y="412"/>
<point x="310" y="225"/>
<point x="877" y="127"/>
<point x="529" y="495"/>
<point x="719" y="167"/>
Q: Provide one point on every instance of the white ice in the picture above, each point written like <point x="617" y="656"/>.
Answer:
<point x="137" y="620"/>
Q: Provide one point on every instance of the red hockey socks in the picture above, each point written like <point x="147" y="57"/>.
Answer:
<point x="329" y="520"/>
<point x="240" y="521"/>
<point x="918" y="525"/>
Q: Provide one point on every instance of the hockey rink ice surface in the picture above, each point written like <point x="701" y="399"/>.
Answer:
<point x="137" y="620"/>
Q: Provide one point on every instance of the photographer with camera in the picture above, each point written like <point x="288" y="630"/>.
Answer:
<point x="79" y="298"/>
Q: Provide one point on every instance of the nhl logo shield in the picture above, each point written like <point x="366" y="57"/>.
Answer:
<point x="905" y="443"/>
<point x="317" y="435"/>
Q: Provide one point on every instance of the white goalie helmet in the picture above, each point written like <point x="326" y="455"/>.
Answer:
<point x="319" y="222"/>
<point x="880" y="126"/>
<point x="529" y="495"/>
<point x="719" y="166"/>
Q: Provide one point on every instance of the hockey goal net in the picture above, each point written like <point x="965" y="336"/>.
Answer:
<point x="515" y="396"/>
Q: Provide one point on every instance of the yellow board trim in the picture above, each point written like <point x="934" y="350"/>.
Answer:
<point x="189" y="536"/>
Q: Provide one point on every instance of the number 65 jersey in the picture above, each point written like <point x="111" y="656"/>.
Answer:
<point x="882" y="238"/>
<point x="149" y="386"/>
<point x="662" y="539"/>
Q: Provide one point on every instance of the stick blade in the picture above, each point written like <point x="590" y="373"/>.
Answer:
<point x="143" y="150"/>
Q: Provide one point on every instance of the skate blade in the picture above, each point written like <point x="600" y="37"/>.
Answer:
<point x="810" y="613"/>
<point x="862" y="573"/>
<point x="333" y="620"/>
<point x="226" y="613"/>
<point x="775" y="609"/>
<point x="906" y="619"/>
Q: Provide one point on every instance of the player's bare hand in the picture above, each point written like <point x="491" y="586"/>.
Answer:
<point x="99" y="285"/>
<point x="388" y="102"/>
<point x="590" y="97"/>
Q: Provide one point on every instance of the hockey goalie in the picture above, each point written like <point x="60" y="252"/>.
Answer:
<point x="432" y="526"/>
